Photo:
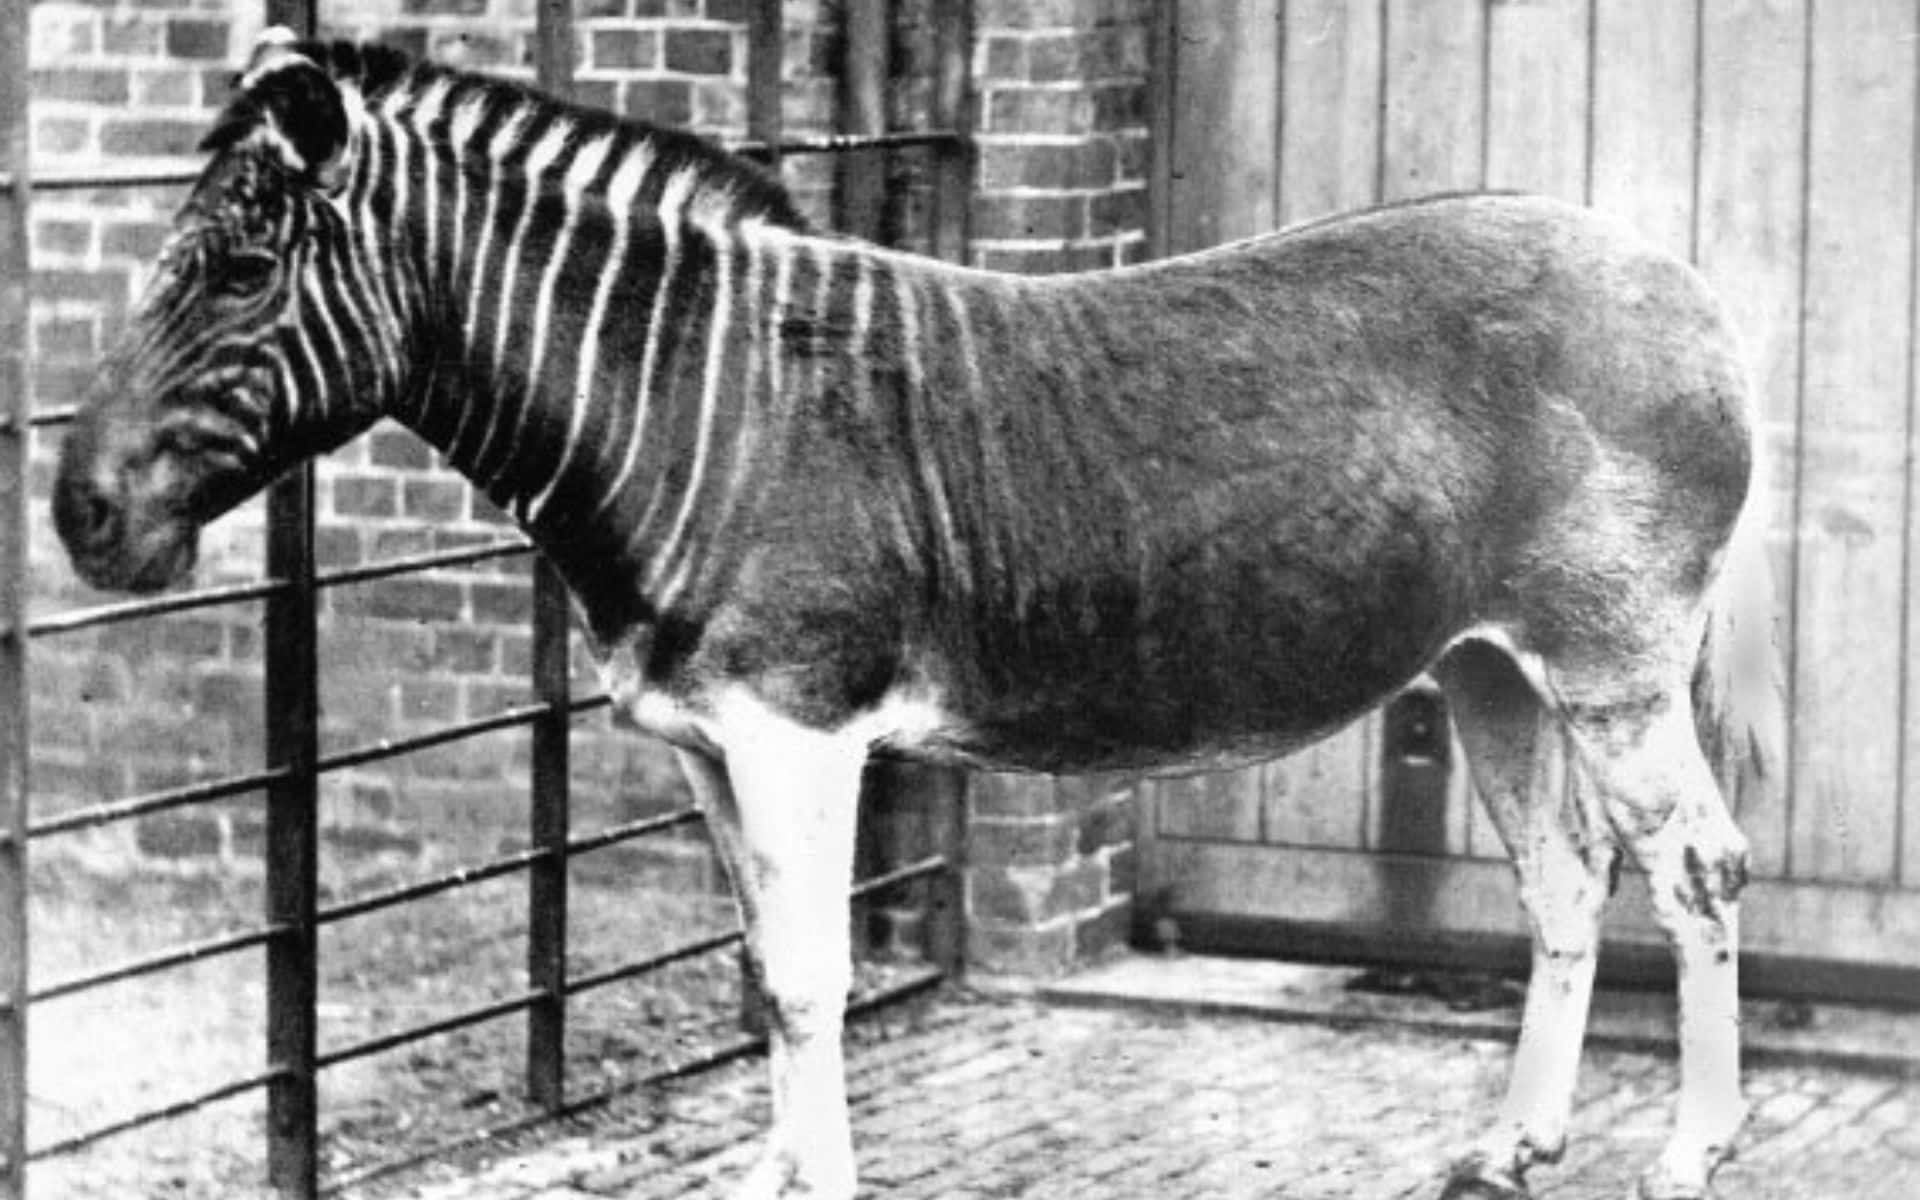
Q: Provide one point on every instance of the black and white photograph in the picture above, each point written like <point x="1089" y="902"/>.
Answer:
<point x="959" y="599"/>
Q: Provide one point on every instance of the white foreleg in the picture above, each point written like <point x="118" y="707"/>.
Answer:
<point x="782" y="810"/>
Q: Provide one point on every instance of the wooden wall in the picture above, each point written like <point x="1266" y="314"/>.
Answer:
<point x="1771" y="142"/>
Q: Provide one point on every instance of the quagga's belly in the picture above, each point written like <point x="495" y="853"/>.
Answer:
<point x="1227" y="675"/>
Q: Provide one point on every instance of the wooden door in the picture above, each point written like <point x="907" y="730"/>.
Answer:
<point x="1772" y="145"/>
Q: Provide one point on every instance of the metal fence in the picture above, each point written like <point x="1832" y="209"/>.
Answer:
<point x="289" y="934"/>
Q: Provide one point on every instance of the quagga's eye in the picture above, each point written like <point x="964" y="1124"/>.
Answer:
<point x="243" y="276"/>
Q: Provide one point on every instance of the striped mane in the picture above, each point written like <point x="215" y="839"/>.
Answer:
<point x="391" y="82"/>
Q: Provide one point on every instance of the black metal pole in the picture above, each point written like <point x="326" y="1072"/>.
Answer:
<point x="292" y="823"/>
<point x="292" y="837"/>
<point x="549" y="816"/>
<point x="549" y="829"/>
<point x="953" y="110"/>
<point x="14" y="404"/>
<point x="301" y="16"/>
<point x="860" y="176"/>
<point x="945" y="927"/>
<point x="766" y="42"/>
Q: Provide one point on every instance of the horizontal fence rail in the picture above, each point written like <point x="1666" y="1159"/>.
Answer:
<point x="289" y="779"/>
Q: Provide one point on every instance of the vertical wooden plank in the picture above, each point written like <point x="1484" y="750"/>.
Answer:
<point x="1851" y="570"/>
<point x="1329" y="162"/>
<point x="1216" y="806"/>
<point x="1644" y="97"/>
<point x="1538" y="56"/>
<point x="1749" y="213"/>
<point x="1749" y="222"/>
<point x="1318" y="796"/>
<point x="14" y="746"/>
<point x="1433" y="140"/>
<point x="1907" y="870"/>
<point x="1163" y="81"/>
<point x="1219" y="142"/>
<point x="1330" y="103"/>
<point x="1434" y="97"/>
<point x="1225" y="123"/>
<point x="1537" y="64"/>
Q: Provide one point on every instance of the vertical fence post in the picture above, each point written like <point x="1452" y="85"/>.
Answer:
<point x="945" y="927"/>
<point x="549" y="829"/>
<point x="953" y="109"/>
<point x="860" y="176"/>
<point x="549" y="813"/>
<point x="292" y="834"/>
<point x="293" y="802"/>
<point x="14" y="405"/>
<point x="946" y="922"/>
<point x="766" y="49"/>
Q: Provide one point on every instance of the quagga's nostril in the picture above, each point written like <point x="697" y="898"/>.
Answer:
<point x="86" y="517"/>
<point x="101" y="516"/>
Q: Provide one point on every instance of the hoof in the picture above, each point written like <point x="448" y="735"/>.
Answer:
<point x="1660" y="1185"/>
<point x="1690" y="1180"/>
<point x="1476" y="1179"/>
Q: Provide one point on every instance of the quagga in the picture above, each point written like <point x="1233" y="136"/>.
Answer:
<point x="818" y="500"/>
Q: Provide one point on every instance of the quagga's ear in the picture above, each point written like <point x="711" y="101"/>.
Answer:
<point x="295" y="107"/>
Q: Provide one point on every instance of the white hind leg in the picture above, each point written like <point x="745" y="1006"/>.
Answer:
<point x="1644" y="757"/>
<point x="1564" y="854"/>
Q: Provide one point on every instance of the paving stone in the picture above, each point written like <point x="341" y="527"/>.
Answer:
<point x="996" y="1098"/>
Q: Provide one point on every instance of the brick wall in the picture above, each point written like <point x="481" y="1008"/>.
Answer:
<point x="1061" y="127"/>
<point x="1062" y="165"/>
<point x="1062" y="134"/>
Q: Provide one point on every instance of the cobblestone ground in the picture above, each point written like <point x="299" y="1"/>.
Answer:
<point x="973" y="1097"/>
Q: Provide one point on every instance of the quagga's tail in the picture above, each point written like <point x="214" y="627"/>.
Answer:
<point x="1739" y="680"/>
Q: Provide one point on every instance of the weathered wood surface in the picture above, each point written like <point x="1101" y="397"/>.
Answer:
<point x="1772" y="142"/>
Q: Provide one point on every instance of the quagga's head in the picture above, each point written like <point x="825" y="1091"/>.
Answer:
<point x="259" y="342"/>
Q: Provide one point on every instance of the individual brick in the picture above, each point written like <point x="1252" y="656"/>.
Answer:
<point x="1046" y="216"/>
<point x="192" y="38"/>
<point x="661" y="101"/>
<point x="699" y="51"/>
<point x="1035" y="842"/>
<point x="82" y="85"/>
<point x="623" y="49"/>
<point x="134" y="137"/>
